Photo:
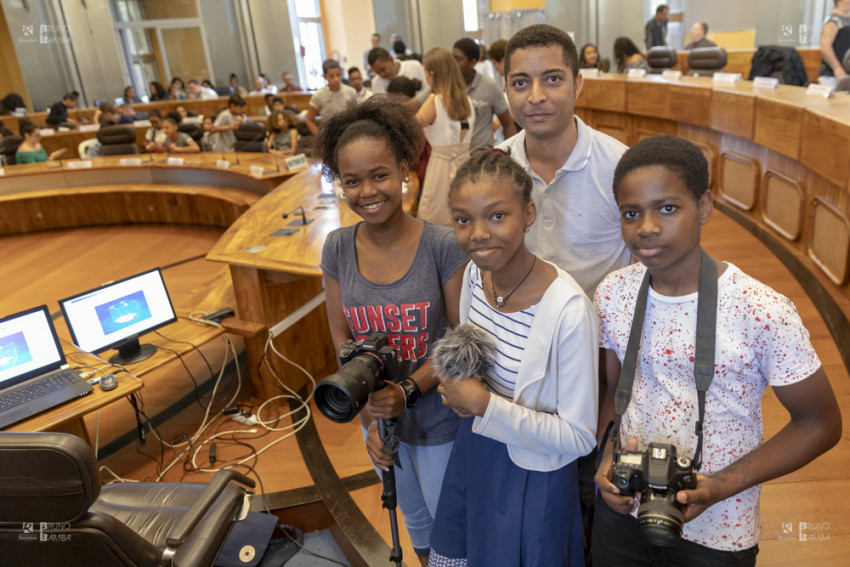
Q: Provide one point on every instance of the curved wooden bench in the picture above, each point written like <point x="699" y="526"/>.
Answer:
<point x="122" y="204"/>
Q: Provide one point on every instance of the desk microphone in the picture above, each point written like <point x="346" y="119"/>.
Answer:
<point x="304" y="220"/>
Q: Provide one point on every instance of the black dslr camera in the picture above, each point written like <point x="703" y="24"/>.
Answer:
<point x="366" y="365"/>
<point x="658" y="474"/>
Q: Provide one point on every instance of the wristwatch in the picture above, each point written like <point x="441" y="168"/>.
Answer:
<point x="412" y="394"/>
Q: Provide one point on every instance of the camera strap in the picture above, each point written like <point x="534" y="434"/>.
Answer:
<point x="703" y="356"/>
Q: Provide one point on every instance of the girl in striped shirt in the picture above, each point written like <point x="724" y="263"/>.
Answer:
<point x="513" y="468"/>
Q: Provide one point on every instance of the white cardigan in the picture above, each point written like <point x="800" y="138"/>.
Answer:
<point x="552" y="418"/>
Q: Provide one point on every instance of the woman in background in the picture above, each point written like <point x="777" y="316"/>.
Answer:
<point x="628" y="56"/>
<point x="448" y="117"/>
<point x="31" y="150"/>
<point x="589" y="59"/>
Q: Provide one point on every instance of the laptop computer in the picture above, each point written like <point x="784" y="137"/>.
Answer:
<point x="34" y="375"/>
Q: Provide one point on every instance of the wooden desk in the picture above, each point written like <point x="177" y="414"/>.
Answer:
<point x="779" y="162"/>
<point x="68" y="417"/>
<point x="198" y="169"/>
<point x="280" y="279"/>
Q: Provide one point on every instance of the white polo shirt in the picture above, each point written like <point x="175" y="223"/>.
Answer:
<point x="578" y="221"/>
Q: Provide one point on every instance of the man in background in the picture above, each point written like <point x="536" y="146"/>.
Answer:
<point x="698" y="39"/>
<point x="486" y="97"/>
<point x="656" y="28"/>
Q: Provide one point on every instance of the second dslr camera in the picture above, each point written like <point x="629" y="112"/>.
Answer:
<point x="658" y="474"/>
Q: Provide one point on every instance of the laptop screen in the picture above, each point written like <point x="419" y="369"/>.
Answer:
<point x="29" y="346"/>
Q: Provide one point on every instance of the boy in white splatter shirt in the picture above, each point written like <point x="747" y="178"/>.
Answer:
<point x="661" y="187"/>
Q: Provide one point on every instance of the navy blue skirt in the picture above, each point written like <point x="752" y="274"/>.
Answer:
<point x="493" y="512"/>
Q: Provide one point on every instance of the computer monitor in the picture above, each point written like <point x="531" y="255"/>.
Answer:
<point x="116" y="314"/>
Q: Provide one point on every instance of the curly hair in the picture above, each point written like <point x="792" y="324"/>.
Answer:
<point x="494" y="164"/>
<point x="378" y="117"/>
<point x="676" y="154"/>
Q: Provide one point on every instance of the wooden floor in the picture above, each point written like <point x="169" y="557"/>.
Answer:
<point x="48" y="266"/>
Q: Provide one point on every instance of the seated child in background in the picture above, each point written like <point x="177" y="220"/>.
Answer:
<point x="283" y="136"/>
<point x="175" y="140"/>
<point x="355" y="81"/>
<point x="661" y="187"/>
<point x="510" y="494"/>
<point x="206" y="139"/>
<point x="331" y="99"/>
<point x="155" y="136"/>
<point x="267" y="109"/>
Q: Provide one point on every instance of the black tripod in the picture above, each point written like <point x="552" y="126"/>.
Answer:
<point x="386" y="430"/>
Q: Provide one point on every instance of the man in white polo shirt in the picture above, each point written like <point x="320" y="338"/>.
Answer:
<point x="571" y="164"/>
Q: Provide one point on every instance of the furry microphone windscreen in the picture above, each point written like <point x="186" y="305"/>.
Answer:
<point x="464" y="352"/>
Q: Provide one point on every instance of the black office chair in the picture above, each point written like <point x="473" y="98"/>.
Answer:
<point x="8" y="146"/>
<point x="117" y="140"/>
<point x="705" y="61"/>
<point x="54" y="511"/>
<point x="194" y="130"/>
<point x="660" y="58"/>
<point x="250" y="137"/>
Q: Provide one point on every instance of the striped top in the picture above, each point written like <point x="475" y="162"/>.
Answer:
<point x="509" y="330"/>
<point x="282" y="141"/>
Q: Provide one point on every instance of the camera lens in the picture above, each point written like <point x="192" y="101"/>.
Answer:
<point x="660" y="517"/>
<point x="341" y="396"/>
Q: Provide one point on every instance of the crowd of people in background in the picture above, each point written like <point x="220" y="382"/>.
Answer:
<point x="527" y="226"/>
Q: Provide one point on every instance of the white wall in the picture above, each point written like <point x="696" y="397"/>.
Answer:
<point x="348" y="30"/>
<point x="273" y="35"/>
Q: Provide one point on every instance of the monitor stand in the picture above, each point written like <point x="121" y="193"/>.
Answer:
<point x="131" y="352"/>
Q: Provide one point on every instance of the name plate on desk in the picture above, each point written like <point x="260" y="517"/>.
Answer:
<point x="257" y="170"/>
<point x="63" y="129"/>
<point x="79" y="164"/>
<point x="671" y="75"/>
<point x="175" y="161"/>
<point x="130" y="161"/>
<point x="589" y="72"/>
<point x="637" y="73"/>
<point x="89" y="127"/>
<point x="47" y="131"/>
<point x="822" y="91"/>
<point x="766" y="82"/>
<point x="296" y="162"/>
<point x="726" y="78"/>
<point x="2" y="171"/>
<point x="222" y="164"/>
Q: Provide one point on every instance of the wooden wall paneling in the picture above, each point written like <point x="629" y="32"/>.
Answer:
<point x="690" y="103"/>
<point x="829" y="243"/>
<point x="825" y="146"/>
<point x="784" y="205"/>
<point x="778" y="126"/>
<point x="733" y="113"/>
<point x="648" y="98"/>
<point x="604" y="93"/>
<point x="644" y="127"/>
<point x="739" y="180"/>
<point x="615" y="124"/>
